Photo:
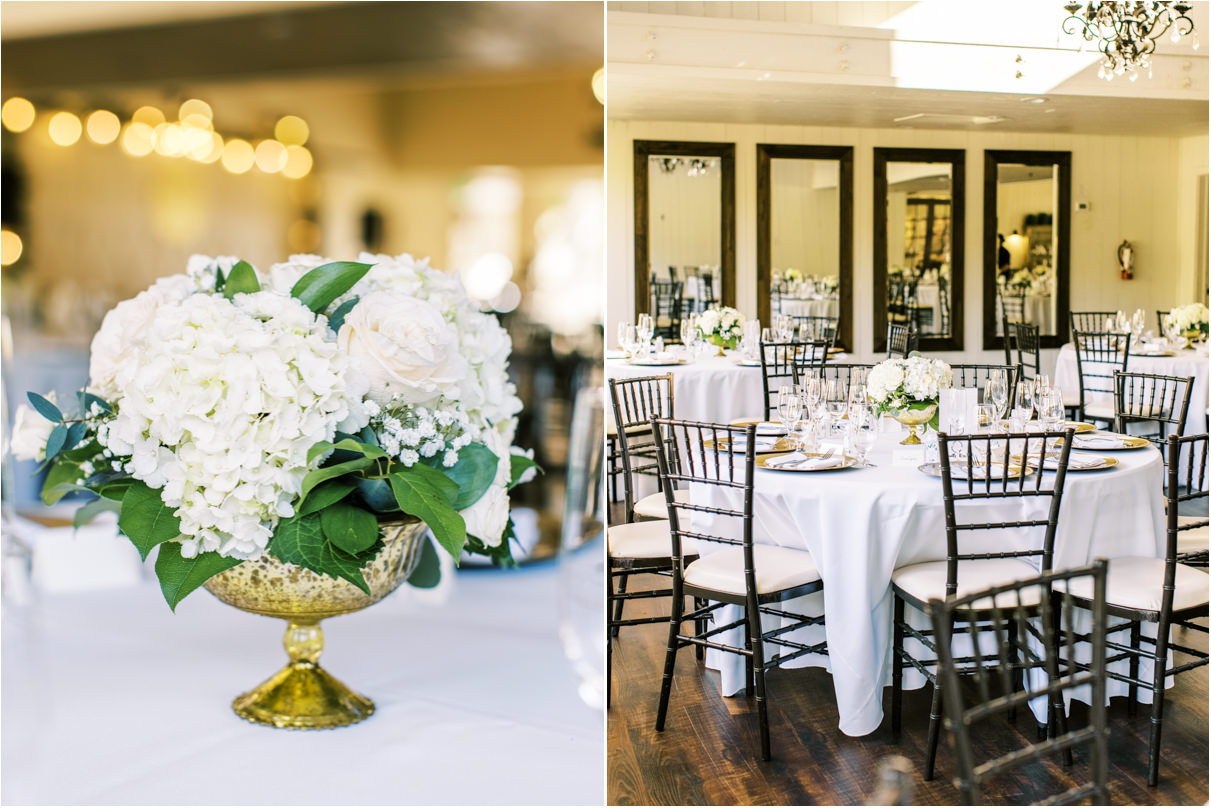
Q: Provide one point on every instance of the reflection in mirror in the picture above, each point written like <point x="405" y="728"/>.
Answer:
<point x="805" y="236"/>
<point x="684" y="221"/>
<point x="919" y="213"/>
<point x="1026" y="267"/>
<point x="684" y="239"/>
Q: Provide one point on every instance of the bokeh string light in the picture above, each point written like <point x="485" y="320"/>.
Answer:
<point x="191" y="136"/>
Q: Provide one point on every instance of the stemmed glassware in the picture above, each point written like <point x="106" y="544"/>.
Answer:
<point x="1023" y="406"/>
<point x="790" y="407"/>
<point x="836" y="401"/>
<point x="630" y="340"/>
<point x="812" y="389"/>
<point x="1042" y="386"/>
<point x="1051" y="409"/>
<point x="644" y="330"/>
<point x="862" y="432"/>
<point x="622" y="334"/>
<point x="998" y="392"/>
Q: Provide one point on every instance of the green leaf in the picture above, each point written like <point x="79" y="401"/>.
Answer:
<point x="58" y="437"/>
<point x="326" y="494"/>
<point x="242" y="279"/>
<point x="86" y="452"/>
<point x="46" y="409"/>
<point x="300" y="540"/>
<point x="60" y="481"/>
<point x="348" y="527"/>
<point x="337" y="318"/>
<point x="377" y="494"/>
<point x="180" y="576"/>
<point x="426" y="494"/>
<point x="428" y="571"/>
<point x="89" y="510"/>
<point x="326" y="283"/>
<point x="348" y="445"/>
<point x="75" y="433"/>
<point x="317" y="476"/>
<point x="146" y="520"/>
<point x="473" y="473"/>
<point x="519" y="465"/>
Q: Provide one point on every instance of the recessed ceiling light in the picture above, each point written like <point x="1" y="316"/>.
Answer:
<point x="1034" y="99"/>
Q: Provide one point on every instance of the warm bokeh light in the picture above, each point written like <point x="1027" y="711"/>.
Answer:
<point x="148" y="115"/>
<point x="486" y="278"/>
<point x="103" y="127"/>
<point x="270" y="156"/>
<point x="298" y="162"/>
<point x="238" y="156"/>
<point x="198" y="143"/>
<point x="10" y="247"/>
<point x="136" y="139"/>
<point x="17" y="114"/>
<point x="214" y="149"/>
<point x="195" y="107"/>
<point x="599" y="85"/>
<point x="169" y="139"/>
<point x="64" y="128"/>
<point x="292" y="130"/>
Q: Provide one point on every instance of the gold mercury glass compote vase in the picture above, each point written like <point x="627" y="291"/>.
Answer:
<point x="913" y="419"/>
<point x="303" y="695"/>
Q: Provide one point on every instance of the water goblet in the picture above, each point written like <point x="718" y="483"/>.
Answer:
<point x="622" y="334"/>
<point x="1051" y="409"/>
<point x="862" y="433"/>
<point x="630" y="340"/>
<point x="812" y="390"/>
<point x="836" y="401"/>
<point x="1023" y="406"/>
<point x="998" y="392"/>
<point x="790" y="407"/>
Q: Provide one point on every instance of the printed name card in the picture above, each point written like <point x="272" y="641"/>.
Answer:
<point x="911" y="456"/>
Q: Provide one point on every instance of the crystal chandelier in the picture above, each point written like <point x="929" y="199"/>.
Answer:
<point x="1126" y="32"/>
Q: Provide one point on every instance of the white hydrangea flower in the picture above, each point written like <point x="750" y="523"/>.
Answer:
<point x="31" y="432"/>
<point x="725" y="322"/>
<point x="1188" y="318"/>
<point x="283" y="276"/>
<point x="218" y="405"/>
<point x="894" y="383"/>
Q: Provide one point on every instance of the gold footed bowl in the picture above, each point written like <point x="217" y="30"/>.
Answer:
<point x="303" y="695"/>
<point x="913" y="419"/>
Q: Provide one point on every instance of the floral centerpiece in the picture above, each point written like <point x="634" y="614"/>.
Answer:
<point x="909" y="389"/>
<point x="826" y="284"/>
<point x="239" y="417"/>
<point x="1190" y="321"/>
<point x="1022" y="280"/>
<point x="793" y="275"/>
<point x="722" y="327"/>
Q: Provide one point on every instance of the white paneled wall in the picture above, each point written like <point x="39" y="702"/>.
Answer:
<point x="1139" y="188"/>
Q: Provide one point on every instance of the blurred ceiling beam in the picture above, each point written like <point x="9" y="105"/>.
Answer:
<point x="343" y="39"/>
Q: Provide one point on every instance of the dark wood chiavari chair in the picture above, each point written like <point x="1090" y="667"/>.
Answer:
<point x="1026" y="345"/>
<point x="1089" y="320"/>
<point x="1098" y="355"/>
<point x="817" y="328"/>
<point x="758" y="577"/>
<point x="1155" y="405"/>
<point x="967" y="375"/>
<point x="1161" y="591"/>
<point x="781" y="363"/>
<point x="666" y="309"/>
<point x="844" y="371"/>
<point x="901" y="340"/>
<point x="1033" y="626"/>
<point x="978" y="477"/>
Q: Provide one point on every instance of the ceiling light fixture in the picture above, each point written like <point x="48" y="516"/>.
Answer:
<point x="1126" y="32"/>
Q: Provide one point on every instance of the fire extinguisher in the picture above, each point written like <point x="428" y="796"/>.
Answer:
<point x="1126" y="260"/>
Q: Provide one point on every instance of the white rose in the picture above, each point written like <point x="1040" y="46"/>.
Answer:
<point x="403" y="346"/>
<point x="487" y="517"/>
<point x="30" y="433"/>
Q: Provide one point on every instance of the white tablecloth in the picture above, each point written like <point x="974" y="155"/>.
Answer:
<point x="860" y="524"/>
<point x="111" y="699"/>
<point x="808" y="307"/>
<point x="714" y="388"/>
<point x="1186" y="363"/>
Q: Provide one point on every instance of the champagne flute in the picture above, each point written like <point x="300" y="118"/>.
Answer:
<point x="812" y="390"/>
<point x="836" y="400"/>
<point x="630" y="340"/>
<point x="857" y="396"/>
<point x="1023" y="406"/>
<point x="998" y="392"/>
<point x="622" y="334"/>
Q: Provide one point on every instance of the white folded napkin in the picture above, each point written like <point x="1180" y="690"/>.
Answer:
<point x="1097" y="442"/>
<point x="770" y="428"/>
<point x="800" y="460"/>
<point x="764" y="443"/>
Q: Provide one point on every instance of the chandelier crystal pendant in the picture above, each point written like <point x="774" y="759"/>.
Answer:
<point x="1126" y="32"/>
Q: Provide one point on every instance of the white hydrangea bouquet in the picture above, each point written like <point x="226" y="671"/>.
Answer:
<point x="233" y="413"/>
<point x="722" y="327"/>
<point x="908" y="387"/>
<point x="1190" y="321"/>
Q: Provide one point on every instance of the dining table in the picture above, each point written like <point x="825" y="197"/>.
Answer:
<point x="112" y="699"/>
<point x="862" y="523"/>
<point x="706" y="387"/>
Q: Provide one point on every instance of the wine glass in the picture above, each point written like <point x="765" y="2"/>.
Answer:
<point x="836" y="400"/>
<point x="790" y="407"/>
<point x="1051" y="409"/>
<point x="622" y="334"/>
<point x="862" y="433"/>
<point x="630" y="340"/>
<point x="857" y="395"/>
<point x="998" y="392"/>
<point x="1138" y="322"/>
<point x="1023" y="406"/>
<point x="812" y="390"/>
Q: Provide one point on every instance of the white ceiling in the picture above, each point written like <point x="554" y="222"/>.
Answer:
<point x="865" y="64"/>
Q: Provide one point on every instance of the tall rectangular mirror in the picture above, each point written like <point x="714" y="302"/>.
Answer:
<point x="919" y="215"/>
<point x="1026" y="230"/>
<point x="805" y="235"/>
<point x="685" y="252"/>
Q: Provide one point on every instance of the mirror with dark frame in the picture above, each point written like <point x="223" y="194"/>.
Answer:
<point x="1026" y="229"/>
<point x="918" y="245"/>
<point x="685" y="224"/>
<point x="805" y="221"/>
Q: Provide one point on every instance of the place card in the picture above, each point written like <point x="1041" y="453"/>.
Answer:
<point x="911" y="456"/>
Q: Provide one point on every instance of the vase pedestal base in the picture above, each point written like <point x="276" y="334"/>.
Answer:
<point x="303" y="695"/>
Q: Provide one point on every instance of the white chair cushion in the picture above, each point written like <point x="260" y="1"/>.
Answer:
<point x="777" y="568"/>
<point x="745" y="421"/>
<point x="1070" y="399"/>
<point x="928" y="580"/>
<point x="1137" y="583"/>
<point x="1193" y="540"/>
<point x="644" y="540"/>
<point x="1103" y="411"/>
<point x="653" y="505"/>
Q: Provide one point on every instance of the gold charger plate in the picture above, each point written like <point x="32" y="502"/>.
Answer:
<point x="846" y="462"/>
<point x="935" y="470"/>
<point x="782" y="445"/>
<point x="1128" y="442"/>
<point x="1077" y="426"/>
<point x="657" y="364"/>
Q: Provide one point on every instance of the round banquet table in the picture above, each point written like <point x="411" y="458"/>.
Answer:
<point x="1186" y="362"/>
<point x="111" y="699"/>
<point x="808" y="306"/>
<point x="713" y="388"/>
<point x="861" y="524"/>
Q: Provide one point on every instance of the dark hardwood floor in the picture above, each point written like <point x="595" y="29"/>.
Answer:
<point x="707" y="754"/>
